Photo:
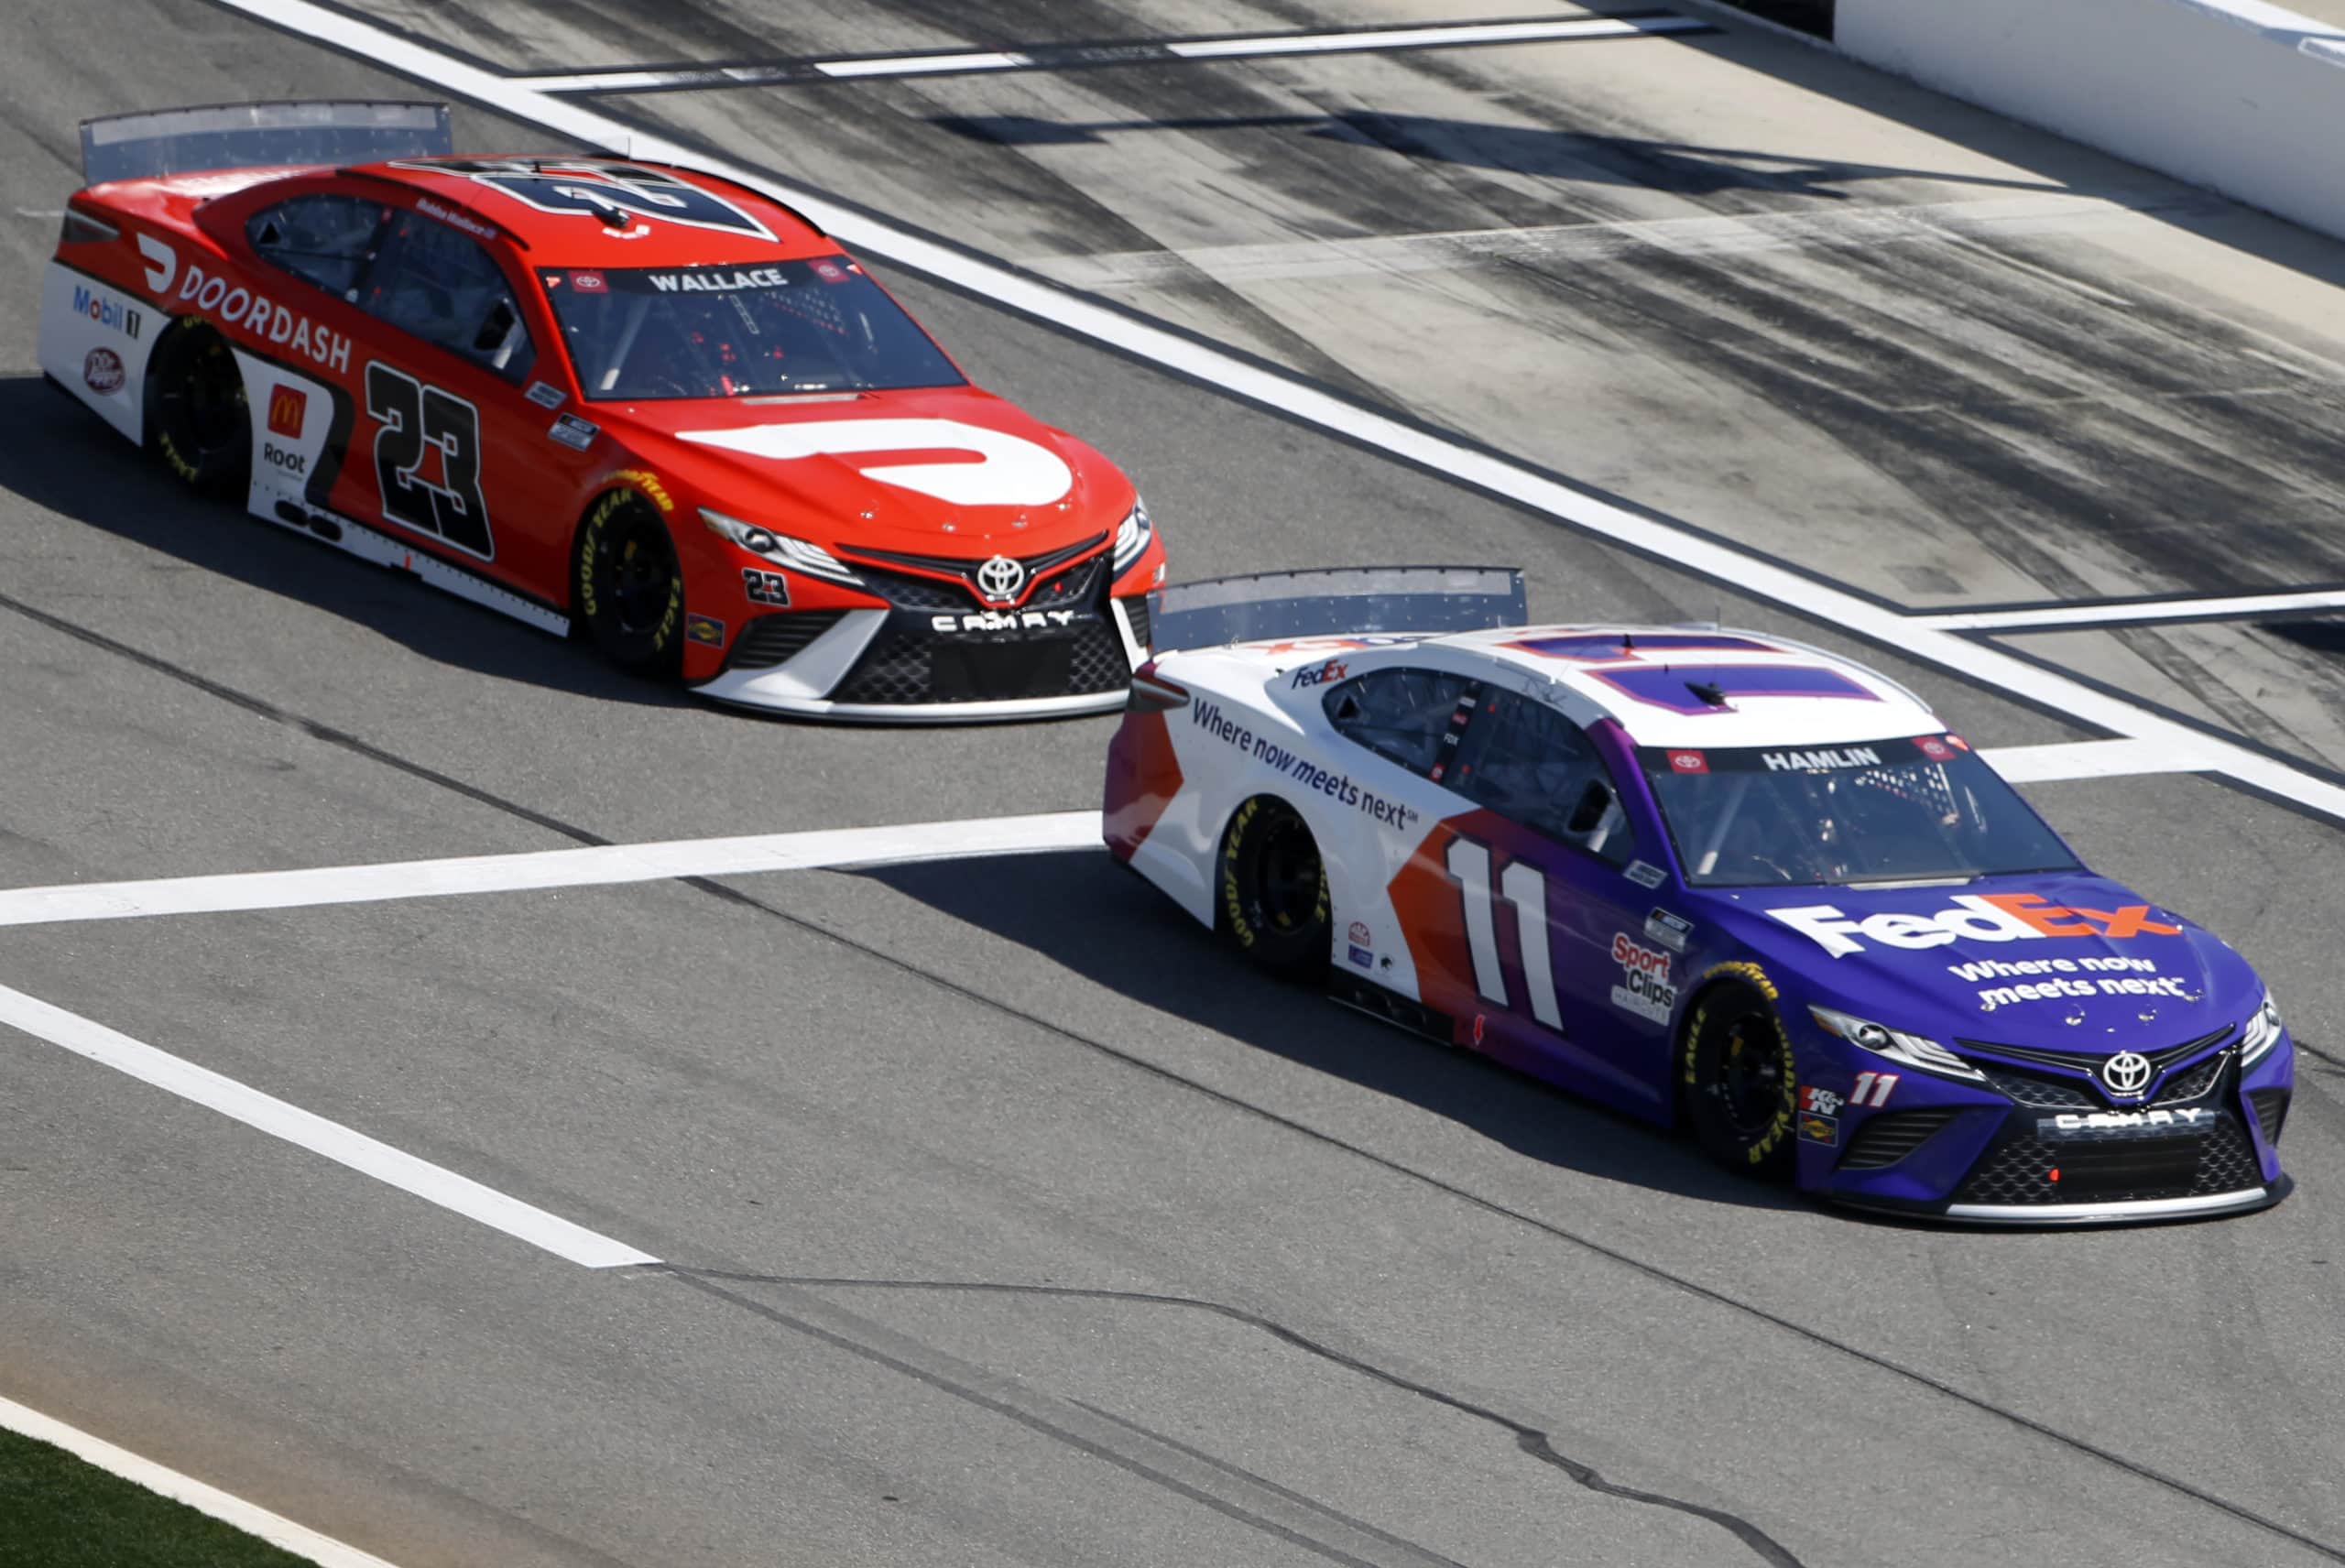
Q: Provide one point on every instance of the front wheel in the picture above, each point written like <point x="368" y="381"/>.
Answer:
<point x="1740" y="1080"/>
<point x="1274" y="888"/>
<point x="630" y="591"/>
<point x="201" y="424"/>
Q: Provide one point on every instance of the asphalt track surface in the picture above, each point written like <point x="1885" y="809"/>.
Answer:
<point x="1002" y="1219"/>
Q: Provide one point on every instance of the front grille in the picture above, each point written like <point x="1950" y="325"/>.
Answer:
<point x="2271" y="1112"/>
<point x="2195" y="1083"/>
<point x="1135" y="607"/>
<point x="914" y="665"/>
<point x="1891" y="1135"/>
<point x="2039" y="1090"/>
<point x="2087" y="1063"/>
<point x="771" y="640"/>
<point x="908" y="593"/>
<point x="965" y="569"/>
<point x="2018" y="1171"/>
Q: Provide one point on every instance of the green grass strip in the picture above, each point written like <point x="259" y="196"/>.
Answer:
<point x="58" y="1512"/>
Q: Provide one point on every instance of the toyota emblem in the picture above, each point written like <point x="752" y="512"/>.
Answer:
<point x="1000" y="578"/>
<point x="2127" y="1073"/>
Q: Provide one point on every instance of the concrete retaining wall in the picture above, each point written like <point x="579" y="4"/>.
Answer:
<point x="2235" y="94"/>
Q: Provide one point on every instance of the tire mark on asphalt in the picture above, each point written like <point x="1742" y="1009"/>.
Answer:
<point x="1530" y="1438"/>
<point x="343" y="739"/>
<point x="1274" y="1510"/>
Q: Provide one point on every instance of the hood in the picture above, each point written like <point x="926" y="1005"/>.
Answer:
<point x="2062" y="962"/>
<point x="936" y="470"/>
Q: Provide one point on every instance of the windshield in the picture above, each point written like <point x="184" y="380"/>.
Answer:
<point x="723" y="331"/>
<point x="1891" y="811"/>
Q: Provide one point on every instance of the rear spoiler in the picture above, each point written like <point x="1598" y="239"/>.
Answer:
<point x="1339" y="600"/>
<point x="231" y="135"/>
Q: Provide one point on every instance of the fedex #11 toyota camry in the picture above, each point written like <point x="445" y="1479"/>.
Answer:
<point x="1696" y="874"/>
<point x="623" y="396"/>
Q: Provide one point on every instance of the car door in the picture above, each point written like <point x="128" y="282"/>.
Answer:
<point x="455" y="443"/>
<point x="1560" y="970"/>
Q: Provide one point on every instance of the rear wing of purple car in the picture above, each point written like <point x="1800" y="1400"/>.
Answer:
<point x="1336" y="601"/>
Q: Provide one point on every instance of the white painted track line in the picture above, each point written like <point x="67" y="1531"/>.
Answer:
<point x="1442" y="35"/>
<point x="826" y="849"/>
<point x="1134" y="52"/>
<point x="921" y="65"/>
<point x="2093" y="759"/>
<point x="305" y="1129"/>
<point x="597" y="867"/>
<point x="250" y="1517"/>
<point x="2148" y="612"/>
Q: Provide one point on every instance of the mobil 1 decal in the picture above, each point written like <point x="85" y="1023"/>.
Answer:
<point x="598" y="191"/>
<point x="427" y="459"/>
<point x="300" y="426"/>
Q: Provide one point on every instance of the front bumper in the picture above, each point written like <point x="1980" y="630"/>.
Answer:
<point x="945" y="661"/>
<point x="2038" y="1147"/>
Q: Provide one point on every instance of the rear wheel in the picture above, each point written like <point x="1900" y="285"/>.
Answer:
<point x="630" y="591"/>
<point x="1740" y="1080"/>
<point x="200" y="425"/>
<point x="1274" y="888"/>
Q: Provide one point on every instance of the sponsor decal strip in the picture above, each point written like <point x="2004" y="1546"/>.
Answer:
<point x="227" y="1508"/>
<point x="595" y="867"/>
<point x="1677" y="545"/>
<point x="1144" y="51"/>
<point x="305" y="1129"/>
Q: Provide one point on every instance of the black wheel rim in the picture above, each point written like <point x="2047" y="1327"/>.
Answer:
<point x="1751" y="1075"/>
<point x="638" y="574"/>
<point x="207" y="405"/>
<point x="1286" y="874"/>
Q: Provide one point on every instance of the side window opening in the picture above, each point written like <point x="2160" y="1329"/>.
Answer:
<point x="1526" y="761"/>
<point x="435" y="284"/>
<point x="1403" y="715"/>
<point x="323" y="240"/>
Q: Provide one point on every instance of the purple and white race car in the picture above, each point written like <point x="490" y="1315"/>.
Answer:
<point x="1700" y="874"/>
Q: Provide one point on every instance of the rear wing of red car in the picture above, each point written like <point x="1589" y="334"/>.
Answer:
<point x="237" y="135"/>
<point x="1337" y="600"/>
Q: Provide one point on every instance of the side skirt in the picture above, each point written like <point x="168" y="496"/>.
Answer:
<point x="1389" y="1007"/>
<point x="372" y="544"/>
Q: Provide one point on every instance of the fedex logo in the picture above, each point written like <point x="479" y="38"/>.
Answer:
<point x="1331" y="670"/>
<point x="1979" y="917"/>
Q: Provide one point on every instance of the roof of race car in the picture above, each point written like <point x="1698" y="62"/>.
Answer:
<point x="1711" y="687"/>
<point x="1666" y="686"/>
<point x="562" y="207"/>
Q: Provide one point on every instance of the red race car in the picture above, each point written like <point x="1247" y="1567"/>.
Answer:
<point x="623" y="396"/>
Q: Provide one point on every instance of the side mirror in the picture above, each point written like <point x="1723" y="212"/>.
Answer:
<point x="1594" y="801"/>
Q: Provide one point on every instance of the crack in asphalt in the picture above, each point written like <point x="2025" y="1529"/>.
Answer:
<point x="1529" y="1438"/>
<point x="333" y="736"/>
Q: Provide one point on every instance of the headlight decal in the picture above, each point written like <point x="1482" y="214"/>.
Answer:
<point x="1913" y="1050"/>
<point x="794" y="553"/>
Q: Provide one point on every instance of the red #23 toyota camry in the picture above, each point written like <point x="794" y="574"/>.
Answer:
<point x="621" y="395"/>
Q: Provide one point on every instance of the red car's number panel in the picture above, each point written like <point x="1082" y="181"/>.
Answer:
<point x="439" y="498"/>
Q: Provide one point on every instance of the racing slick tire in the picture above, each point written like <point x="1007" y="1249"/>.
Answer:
<point x="199" y="422"/>
<point x="630" y="591"/>
<point x="1273" y="900"/>
<point x="1740" y="1079"/>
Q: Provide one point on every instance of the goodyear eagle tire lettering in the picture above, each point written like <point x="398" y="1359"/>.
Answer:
<point x="197" y="414"/>
<point x="1738" y="1073"/>
<point x="629" y="588"/>
<point x="1273" y="900"/>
